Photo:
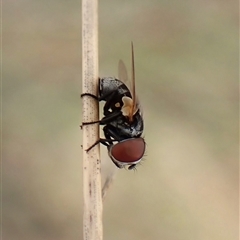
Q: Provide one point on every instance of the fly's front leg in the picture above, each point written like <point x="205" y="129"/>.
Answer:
<point x="105" y="142"/>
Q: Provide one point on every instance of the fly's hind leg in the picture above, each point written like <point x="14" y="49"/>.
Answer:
<point x="96" y="98"/>
<point x="90" y="95"/>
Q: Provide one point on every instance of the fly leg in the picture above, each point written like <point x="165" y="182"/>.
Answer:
<point x="110" y="111"/>
<point x="105" y="142"/>
<point x="96" y="98"/>
<point x="105" y="120"/>
<point x="110" y="137"/>
<point x="90" y="95"/>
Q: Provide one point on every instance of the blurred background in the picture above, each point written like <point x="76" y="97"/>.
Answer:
<point x="186" y="59"/>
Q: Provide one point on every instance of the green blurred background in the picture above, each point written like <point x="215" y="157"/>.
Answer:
<point x="186" y="57"/>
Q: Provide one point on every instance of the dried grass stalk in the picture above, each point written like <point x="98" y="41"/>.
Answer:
<point x="92" y="216"/>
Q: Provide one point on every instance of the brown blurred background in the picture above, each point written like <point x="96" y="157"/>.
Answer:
<point x="186" y="57"/>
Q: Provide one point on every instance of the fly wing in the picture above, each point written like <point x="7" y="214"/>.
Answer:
<point x="123" y="76"/>
<point x="134" y="108"/>
<point x="122" y="72"/>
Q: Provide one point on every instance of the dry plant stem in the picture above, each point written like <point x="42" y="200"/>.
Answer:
<point x="92" y="216"/>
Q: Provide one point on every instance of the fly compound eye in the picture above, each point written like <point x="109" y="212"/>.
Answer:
<point x="127" y="152"/>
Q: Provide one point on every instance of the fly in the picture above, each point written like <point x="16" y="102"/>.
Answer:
<point x="123" y="121"/>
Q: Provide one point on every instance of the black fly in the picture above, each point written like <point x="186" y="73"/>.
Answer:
<point x="122" y="119"/>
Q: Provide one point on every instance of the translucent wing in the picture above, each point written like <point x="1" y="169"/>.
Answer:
<point x="122" y="72"/>
<point x="123" y="76"/>
<point x="134" y="108"/>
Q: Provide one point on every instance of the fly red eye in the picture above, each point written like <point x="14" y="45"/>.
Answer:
<point x="127" y="152"/>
